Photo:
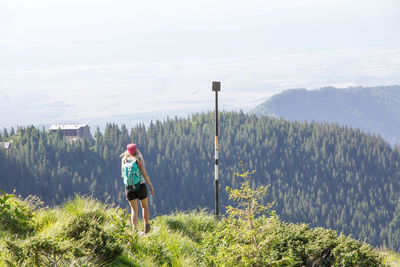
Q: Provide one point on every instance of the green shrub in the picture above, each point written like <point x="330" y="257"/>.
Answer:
<point x="320" y="247"/>
<point x="241" y="236"/>
<point x="15" y="215"/>
<point x="74" y="235"/>
<point x="38" y="251"/>
<point x="91" y="239"/>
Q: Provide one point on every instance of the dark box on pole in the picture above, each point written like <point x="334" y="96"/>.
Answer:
<point x="216" y="86"/>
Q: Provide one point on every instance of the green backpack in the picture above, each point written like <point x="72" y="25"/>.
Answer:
<point x="132" y="175"/>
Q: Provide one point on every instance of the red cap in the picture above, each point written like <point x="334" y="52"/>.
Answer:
<point x="131" y="149"/>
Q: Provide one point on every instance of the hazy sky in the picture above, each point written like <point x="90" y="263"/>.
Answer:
<point x="130" y="61"/>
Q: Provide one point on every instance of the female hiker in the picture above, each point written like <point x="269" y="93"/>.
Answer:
<point x="135" y="179"/>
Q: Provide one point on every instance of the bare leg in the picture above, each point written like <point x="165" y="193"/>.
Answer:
<point x="145" y="209"/>
<point x="134" y="213"/>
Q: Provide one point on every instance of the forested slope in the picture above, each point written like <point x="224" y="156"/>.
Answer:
<point x="321" y="174"/>
<point x="372" y="109"/>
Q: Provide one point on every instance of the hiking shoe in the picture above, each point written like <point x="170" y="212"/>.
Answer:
<point x="147" y="228"/>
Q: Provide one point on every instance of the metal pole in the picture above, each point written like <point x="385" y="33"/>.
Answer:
<point x="216" y="86"/>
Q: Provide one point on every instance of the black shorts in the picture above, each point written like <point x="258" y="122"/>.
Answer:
<point x="140" y="194"/>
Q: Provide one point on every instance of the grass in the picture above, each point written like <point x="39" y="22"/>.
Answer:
<point x="85" y="232"/>
<point x="392" y="258"/>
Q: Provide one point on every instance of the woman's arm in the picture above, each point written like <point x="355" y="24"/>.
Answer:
<point x="142" y="168"/>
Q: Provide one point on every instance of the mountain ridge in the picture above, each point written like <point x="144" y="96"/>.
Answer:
<point x="372" y="109"/>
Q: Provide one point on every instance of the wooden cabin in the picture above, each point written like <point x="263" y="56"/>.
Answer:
<point x="72" y="131"/>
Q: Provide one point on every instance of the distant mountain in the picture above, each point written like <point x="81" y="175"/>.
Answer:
<point x="371" y="109"/>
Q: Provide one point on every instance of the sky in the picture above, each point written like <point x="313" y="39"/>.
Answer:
<point x="128" y="61"/>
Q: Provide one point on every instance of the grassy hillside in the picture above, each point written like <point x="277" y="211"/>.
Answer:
<point x="85" y="232"/>
<point x="372" y="109"/>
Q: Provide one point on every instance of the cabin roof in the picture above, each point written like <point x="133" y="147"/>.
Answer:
<point x="67" y="126"/>
<point x="5" y="145"/>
